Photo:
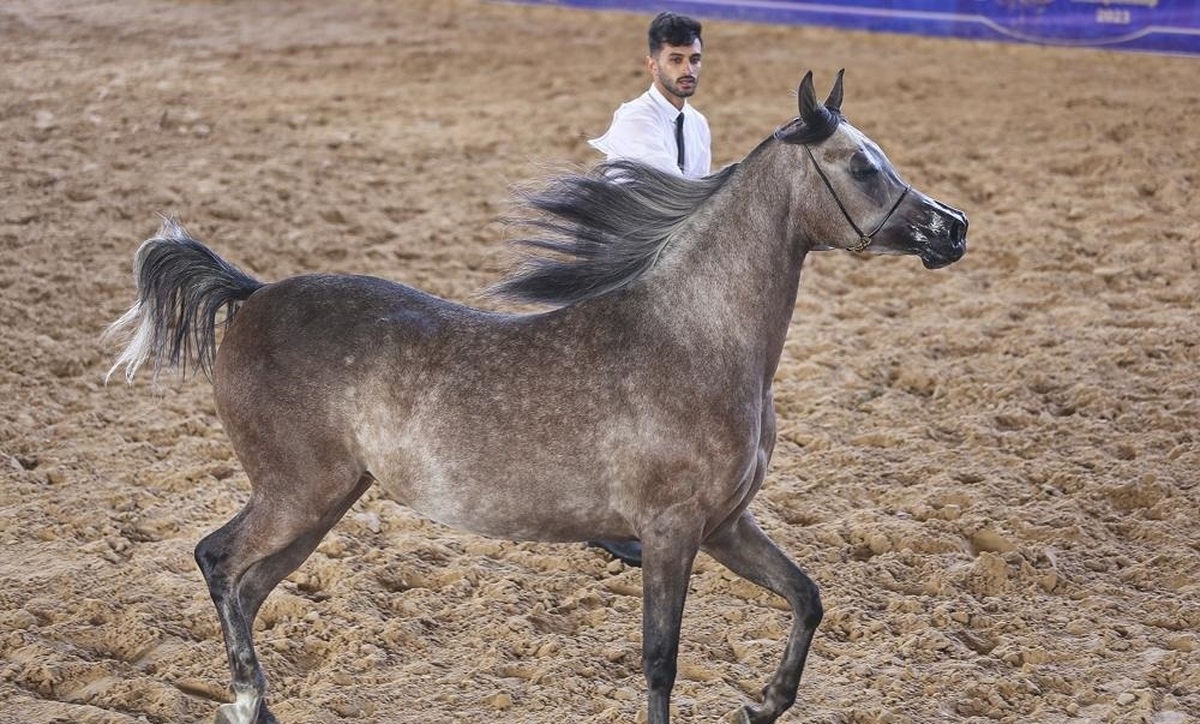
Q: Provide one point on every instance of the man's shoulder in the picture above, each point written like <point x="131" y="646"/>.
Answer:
<point x="695" y="113"/>
<point x="641" y="107"/>
<point x="644" y="101"/>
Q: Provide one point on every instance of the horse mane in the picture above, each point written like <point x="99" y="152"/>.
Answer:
<point x="602" y="229"/>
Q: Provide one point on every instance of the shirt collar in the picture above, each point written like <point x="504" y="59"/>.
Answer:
<point x="664" y="106"/>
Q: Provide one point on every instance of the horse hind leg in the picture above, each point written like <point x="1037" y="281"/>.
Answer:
<point x="217" y="557"/>
<point x="245" y="559"/>
<point x="744" y="549"/>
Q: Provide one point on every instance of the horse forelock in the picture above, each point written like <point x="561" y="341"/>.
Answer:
<point x="603" y="229"/>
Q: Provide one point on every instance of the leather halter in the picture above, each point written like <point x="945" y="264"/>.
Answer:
<point x="864" y="240"/>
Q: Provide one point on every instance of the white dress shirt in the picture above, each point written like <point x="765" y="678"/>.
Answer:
<point x="644" y="130"/>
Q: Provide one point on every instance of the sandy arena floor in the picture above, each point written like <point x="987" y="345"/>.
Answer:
<point x="991" y="469"/>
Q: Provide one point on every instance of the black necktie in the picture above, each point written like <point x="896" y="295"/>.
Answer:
<point x="679" y="141"/>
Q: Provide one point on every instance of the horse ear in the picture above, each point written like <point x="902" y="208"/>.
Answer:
<point x="816" y="121"/>
<point x="808" y="97"/>
<point x="834" y="101"/>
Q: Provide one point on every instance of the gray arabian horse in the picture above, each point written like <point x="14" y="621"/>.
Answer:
<point x="639" y="407"/>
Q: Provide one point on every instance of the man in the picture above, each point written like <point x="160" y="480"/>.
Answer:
<point x="661" y="129"/>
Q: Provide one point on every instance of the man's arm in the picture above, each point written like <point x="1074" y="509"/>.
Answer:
<point x="638" y="137"/>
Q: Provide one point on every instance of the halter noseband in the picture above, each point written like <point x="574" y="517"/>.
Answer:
<point x="864" y="240"/>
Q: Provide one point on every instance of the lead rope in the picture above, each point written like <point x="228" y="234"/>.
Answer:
<point x="864" y="240"/>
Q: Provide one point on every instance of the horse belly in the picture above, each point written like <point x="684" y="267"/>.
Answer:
<point x="514" y="512"/>
<point x="498" y="493"/>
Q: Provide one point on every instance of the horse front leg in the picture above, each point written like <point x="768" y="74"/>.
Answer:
<point x="666" y="567"/>
<point x="744" y="549"/>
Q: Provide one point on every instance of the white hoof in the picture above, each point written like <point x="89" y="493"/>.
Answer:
<point x="242" y="711"/>
<point x="741" y="716"/>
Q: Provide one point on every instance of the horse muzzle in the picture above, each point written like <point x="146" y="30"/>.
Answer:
<point x="948" y="246"/>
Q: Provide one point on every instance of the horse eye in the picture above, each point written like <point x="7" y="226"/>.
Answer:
<point x="862" y="167"/>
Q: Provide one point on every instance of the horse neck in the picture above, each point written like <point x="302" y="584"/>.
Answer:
<point x="733" y="277"/>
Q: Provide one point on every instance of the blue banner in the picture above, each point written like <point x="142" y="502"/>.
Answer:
<point x="1161" y="26"/>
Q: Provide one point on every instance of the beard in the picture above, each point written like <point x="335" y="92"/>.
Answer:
<point x="682" y="87"/>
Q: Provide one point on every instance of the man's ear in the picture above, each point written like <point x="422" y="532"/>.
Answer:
<point x="650" y="63"/>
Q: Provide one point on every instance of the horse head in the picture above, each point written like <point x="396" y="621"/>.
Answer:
<point x="858" y="201"/>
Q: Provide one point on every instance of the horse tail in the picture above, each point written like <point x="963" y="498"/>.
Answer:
<point x="182" y="286"/>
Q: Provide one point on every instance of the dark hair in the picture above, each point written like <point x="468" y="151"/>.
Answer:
<point x="669" y="28"/>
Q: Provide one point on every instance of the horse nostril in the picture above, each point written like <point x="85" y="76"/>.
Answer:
<point x="958" y="228"/>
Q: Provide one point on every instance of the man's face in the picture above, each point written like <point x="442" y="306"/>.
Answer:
<point x="676" y="70"/>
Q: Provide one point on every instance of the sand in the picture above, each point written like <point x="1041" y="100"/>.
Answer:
<point x="990" y="469"/>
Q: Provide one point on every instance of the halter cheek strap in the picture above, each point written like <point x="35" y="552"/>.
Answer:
<point x="864" y="240"/>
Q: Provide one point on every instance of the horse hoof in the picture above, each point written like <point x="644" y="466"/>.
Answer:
<point x="237" y="713"/>
<point x="227" y="714"/>
<point x="749" y="715"/>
